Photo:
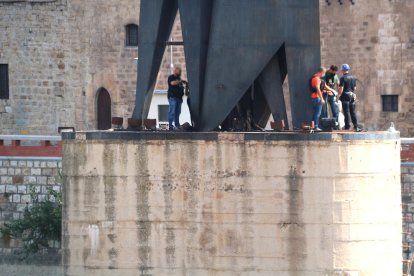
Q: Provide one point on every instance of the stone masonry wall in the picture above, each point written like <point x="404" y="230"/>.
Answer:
<point x="17" y="177"/>
<point x="178" y="58"/>
<point x="407" y="188"/>
<point x="407" y="185"/>
<point x="407" y="191"/>
<point x="376" y="37"/>
<point x="32" y="43"/>
<point x="27" y="164"/>
<point x="60" y="53"/>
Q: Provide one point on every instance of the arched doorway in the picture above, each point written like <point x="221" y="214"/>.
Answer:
<point x="104" y="109"/>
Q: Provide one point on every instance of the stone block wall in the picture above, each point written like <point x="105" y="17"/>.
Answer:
<point x="178" y="58"/>
<point x="407" y="187"/>
<point x="376" y="37"/>
<point x="31" y="42"/>
<point x="27" y="163"/>
<point x="60" y="53"/>
<point x="17" y="178"/>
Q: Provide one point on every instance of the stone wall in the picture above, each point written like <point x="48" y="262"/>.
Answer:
<point x="17" y="178"/>
<point x="242" y="204"/>
<point x="60" y="53"/>
<point x="27" y="164"/>
<point x="31" y="42"/>
<point x="407" y="189"/>
<point x="376" y="37"/>
<point x="178" y="58"/>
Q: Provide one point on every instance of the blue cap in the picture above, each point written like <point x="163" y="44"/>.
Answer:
<point x="345" y="67"/>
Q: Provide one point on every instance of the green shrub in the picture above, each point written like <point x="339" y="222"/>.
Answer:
<point x="41" y="225"/>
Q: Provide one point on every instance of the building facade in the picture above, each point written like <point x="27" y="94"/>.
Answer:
<point x="376" y="37"/>
<point x="72" y="62"/>
<point x="67" y="61"/>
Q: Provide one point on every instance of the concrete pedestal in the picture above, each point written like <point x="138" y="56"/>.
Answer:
<point x="232" y="204"/>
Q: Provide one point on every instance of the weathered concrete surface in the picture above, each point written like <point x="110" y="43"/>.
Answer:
<point x="232" y="204"/>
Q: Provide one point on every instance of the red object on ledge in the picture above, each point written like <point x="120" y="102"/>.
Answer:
<point x="407" y="152"/>
<point x="46" y="149"/>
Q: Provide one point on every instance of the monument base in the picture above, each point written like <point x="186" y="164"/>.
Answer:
<point x="232" y="204"/>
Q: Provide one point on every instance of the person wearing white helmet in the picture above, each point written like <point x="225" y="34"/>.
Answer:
<point x="347" y="87"/>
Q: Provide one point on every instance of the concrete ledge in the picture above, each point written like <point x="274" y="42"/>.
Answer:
<point x="29" y="138"/>
<point x="31" y="158"/>
<point x="246" y="136"/>
<point x="407" y="141"/>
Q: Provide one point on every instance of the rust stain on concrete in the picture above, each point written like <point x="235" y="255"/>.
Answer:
<point x="143" y="210"/>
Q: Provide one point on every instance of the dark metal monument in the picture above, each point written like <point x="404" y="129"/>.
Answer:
<point x="238" y="55"/>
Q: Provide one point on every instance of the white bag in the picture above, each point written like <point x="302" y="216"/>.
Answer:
<point x="341" y="117"/>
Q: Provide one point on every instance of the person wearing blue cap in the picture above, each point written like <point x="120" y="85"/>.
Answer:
<point x="347" y="87"/>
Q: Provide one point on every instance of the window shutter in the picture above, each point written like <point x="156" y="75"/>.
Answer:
<point x="132" y="35"/>
<point x="4" y="81"/>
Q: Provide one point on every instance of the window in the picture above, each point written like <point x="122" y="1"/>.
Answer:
<point x="163" y="113"/>
<point x="4" y="81"/>
<point x="389" y="103"/>
<point x="131" y="35"/>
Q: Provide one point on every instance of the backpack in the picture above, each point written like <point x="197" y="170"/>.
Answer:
<point x="313" y="89"/>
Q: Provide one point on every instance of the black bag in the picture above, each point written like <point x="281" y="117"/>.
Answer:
<point x="328" y="124"/>
<point x="313" y="89"/>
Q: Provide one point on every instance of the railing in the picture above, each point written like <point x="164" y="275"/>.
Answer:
<point x="30" y="146"/>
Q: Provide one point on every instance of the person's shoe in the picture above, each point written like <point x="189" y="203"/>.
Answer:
<point x="357" y="129"/>
<point x="317" y="129"/>
<point x="170" y="128"/>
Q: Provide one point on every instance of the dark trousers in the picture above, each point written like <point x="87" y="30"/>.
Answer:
<point x="349" y="109"/>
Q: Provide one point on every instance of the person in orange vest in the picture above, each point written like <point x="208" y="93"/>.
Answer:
<point x="317" y="86"/>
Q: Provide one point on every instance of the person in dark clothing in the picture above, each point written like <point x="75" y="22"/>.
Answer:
<point x="347" y="87"/>
<point x="332" y="86"/>
<point x="175" y="98"/>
